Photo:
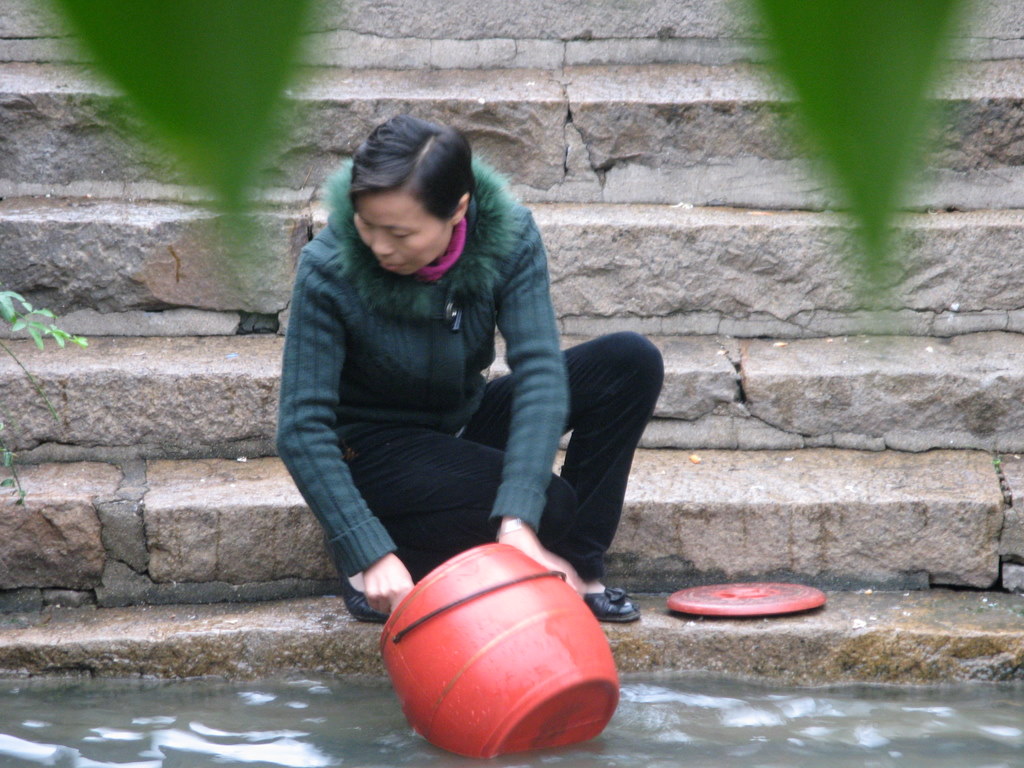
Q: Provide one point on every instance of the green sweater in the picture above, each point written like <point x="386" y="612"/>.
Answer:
<point x="367" y="347"/>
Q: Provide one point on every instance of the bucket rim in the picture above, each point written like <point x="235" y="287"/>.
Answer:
<point x="439" y="572"/>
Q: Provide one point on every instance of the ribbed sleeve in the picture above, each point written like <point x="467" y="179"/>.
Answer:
<point x="540" y="401"/>
<point x="314" y="354"/>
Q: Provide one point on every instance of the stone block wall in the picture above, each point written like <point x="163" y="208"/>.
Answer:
<point x="92" y="533"/>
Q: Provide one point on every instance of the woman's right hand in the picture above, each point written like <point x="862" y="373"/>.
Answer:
<point x="525" y="540"/>
<point x="387" y="581"/>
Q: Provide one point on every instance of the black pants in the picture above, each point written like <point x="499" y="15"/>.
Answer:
<point x="434" y="492"/>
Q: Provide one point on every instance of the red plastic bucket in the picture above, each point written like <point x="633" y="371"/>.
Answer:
<point x="490" y="654"/>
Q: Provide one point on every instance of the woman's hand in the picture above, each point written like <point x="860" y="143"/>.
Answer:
<point x="525" y="540"/>
<point x="387" y="581"/>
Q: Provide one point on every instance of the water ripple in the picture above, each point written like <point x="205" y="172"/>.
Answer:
<point x="114" y="734"/>
<point x="45" y="754"/>
<point x="656" y="694"/>
<point x="203" y="730"/>
<point x="285" y="752"/>
<point x="255" y="698"/>
<point x="748" y="717"/>
<point x="659" y="724"/>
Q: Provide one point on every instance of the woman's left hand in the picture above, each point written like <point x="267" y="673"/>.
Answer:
<point x="387" y="582"/>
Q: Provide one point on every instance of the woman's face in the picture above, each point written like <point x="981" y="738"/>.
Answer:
<point x="401" y="233"/>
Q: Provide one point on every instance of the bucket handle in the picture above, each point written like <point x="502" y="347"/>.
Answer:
<point x="463" y="600"/>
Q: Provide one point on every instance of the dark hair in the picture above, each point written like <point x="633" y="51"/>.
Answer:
<point x="432" y="162"/>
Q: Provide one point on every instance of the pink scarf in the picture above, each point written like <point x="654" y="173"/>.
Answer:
<point x="436" y="269"/>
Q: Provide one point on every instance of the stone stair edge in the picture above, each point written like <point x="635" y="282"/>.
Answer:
<point x="722" y="353"/>
<point x="568" y="125"/>
<point x="578" y="83"/>
<point x="864" y="392"/>
<point x="309" y="215"/>
<point x="183" y="203"/>
<point x="882" y="637"/>
<point x="591" y="19"/>
<point x="429" y="35"/>
<point x="775" y="273"/>
<point x="352" y="50"/>
<point x="163" y="531"/>
<point x="179" y="207"/>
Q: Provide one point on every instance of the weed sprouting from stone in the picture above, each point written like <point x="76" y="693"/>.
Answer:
<point x="39" y="324"/>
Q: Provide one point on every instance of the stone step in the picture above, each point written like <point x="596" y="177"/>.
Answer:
<point x="109" y="256"/>
<point x="910" y="638"/>
<point x="675" y="133"/>
<point x="193" y="397"/>
<point x="539" y="34"/>
<point x="466" y="34"/>
<point x="151" y="397"/>
<point x="111" y="266"/>
<point x="671" y="270"/>
<point x="867" y="393"/>
<point x="85" y="534"/>
<point x="829" y="517"/>
<point x="218" y="529"/>
<point x="889" y="388"/>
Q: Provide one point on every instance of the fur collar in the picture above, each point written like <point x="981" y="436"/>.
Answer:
<point x="491" y="236"/>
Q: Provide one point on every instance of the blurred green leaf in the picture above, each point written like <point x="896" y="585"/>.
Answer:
<point x="206" y="75"/>
<point x="54" y="333"/>
<point x="862" y="71"/>
<point x="7" y="311"/>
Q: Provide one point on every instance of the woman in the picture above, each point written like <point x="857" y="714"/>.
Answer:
<point x="402" y="449"/>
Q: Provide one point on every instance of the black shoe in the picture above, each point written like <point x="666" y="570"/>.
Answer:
<point x="612" y="605"/>
<point x="355" y="600"/>
<point x="356" y="603"/>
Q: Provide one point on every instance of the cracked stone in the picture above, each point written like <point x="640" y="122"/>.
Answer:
<point x="832" y="517"/>
<point x="773" y="274"/>
<point x="710" y="378"/>
<point x="1013" y="577"/>
<point x="122" y="587"/>
<point x="116" y="257"/>
<point x="153" y="380"/>
<point x="54" y="539"/>
<point x="231" y="522"/>
<point x="123" y="534"/>
<point x="25" y="600"/>
<point x="67" y="598"/>
<point x="914" y="393"/>
<point x="667" y="133"/>
<point x="1012" y="540"/>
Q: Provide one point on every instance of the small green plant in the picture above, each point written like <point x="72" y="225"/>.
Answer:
<point x="38" y="324"/>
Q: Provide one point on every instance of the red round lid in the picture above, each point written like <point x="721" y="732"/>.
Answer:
<point x="746" y="599"/>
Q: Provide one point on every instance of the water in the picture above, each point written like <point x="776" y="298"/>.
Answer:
<point x="660" y="723"/>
